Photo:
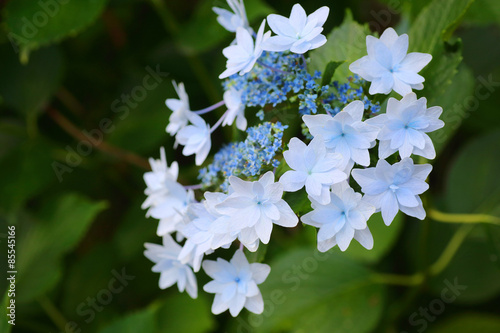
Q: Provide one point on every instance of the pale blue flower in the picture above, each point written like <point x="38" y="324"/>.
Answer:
<point x="243" y="56"/>
<point x="200" y="232"/>
<point x="235" y="109"/>
<point x="389" y="67"/>
<point x="254" y="207"/>
<point x="156" y="180"/>
<point x="343" y="219"/>
<point x="345" y="133"/>
<point x="235" y="284"/>
<point x="170" y="268"/>
<point x="299" y="33"/>
<point x="180" y="107"/>
<point x="394" y="187"/>
<point x="171" y="209"/>
<point x="405" y="125"/>
<point x="313" y="168"/>
<point x="195" y="138"/>
<point x="235" y="19"/>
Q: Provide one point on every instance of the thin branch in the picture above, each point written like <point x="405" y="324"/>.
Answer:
<point x="72" y="130"/>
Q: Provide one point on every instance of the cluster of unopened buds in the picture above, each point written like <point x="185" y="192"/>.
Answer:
<point x="241" y="193"/>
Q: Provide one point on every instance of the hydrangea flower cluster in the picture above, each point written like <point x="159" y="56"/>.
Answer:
<point x="246" y="159"/>
<point x="242" y="194"/>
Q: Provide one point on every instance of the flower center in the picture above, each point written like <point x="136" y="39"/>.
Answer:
<point x="394" y="187"/>
<point x="237" y="280"/>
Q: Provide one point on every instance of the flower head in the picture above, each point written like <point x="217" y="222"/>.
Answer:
<point x="254" y="207"/>
<point x="170" y="211"/>
<point x="235" y="19"/>
<point x="236" y="109"/>
<point x="389" y="67"/>
<point x="345" y="133"/>
<point x="299" y="33"/>
<point x="243" y="56"/>
<point x="343" y="219"/>
<point x="170" y="268"/>
<point x="195" y="138"/>
<point x="156" y="180"/>
<point x="201" y="235"/>
<point x="405" y="125"/>
<point x="313" y="168"/>
<point x="180" y="107"/>
<point x="235" y="284"/>
<point x="394" y="187"/>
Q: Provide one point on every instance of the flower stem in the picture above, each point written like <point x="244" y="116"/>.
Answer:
<point x="450" y="250"/>
<point x="272" y="68"/>
<point x="399" y="280"/>
<point x="217" y="124"/>
<point x="304" y="62"/>
<point x="72" y="130"/>
<point x="210" y="108"/>
<point x="436" y="268"/>
<point x="195" y="62"/>
<point x="462" y="218"/>
<point x="193" y="187"/>
<point x="55" y="315"/>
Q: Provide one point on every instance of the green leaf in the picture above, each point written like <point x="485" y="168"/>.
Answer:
<point x="60" y="227"/>
<point x="384" y="238"/>
<point x="5" y="327"/>
<point x="31" y="24"/>
<point x="435" y="23"/>
<point x="142" y="321"/>
<point x="468" y="323"/>
<point x="31" y="163"/>
<point x="473" y="185"/>
<point x="454" y="104"/>
<point x="179" y="313"/>
<point x="329" y="71"/>
<point x="308" y="291"/>
<point x="440" y="72"/>
<point x="345" y="44"/>
<point x="28" y="88"/>
<point x="484" y="12"/>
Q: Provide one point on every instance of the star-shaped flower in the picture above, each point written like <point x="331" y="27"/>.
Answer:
<point x="201" y="236"/>
<point x="235" y="284"/>
<point x="343" y="219"/>
<point x="156" y="179"/>
<point x="299" y="33"/>
<point x="313" y="168"/>
<point x="235" y="109"/>
<point x="195" y="138"/>
<point x="170" y="268"/>
<point x="180" y="107"/>
<point x="345" y="133"/>
<point x="243" y="56"/>
<point x="235" y="19"/>
<point x="170" y="211"/>
<point x="405" y="125"/>
<point x="389" y="67"/>
<point x="394" y="187"/>
<point x="254" y="207"/>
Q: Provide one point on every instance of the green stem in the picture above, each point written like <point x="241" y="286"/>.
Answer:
<point x="462" y="218"/>
<point x="55" y="315"/>
<point x="437" y="267"/>
<point x="399" y="280"/>
<point x="195" y="62"/>
<point x="450" y="250"/>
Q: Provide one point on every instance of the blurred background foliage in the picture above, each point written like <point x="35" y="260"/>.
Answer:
<point x="69" y="68"/>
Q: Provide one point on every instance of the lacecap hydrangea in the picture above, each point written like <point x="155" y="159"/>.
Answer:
<point x="269" y="92"/>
